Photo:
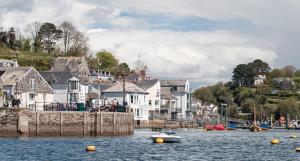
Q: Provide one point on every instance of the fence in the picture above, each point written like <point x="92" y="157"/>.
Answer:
<point x="47" y="106"/>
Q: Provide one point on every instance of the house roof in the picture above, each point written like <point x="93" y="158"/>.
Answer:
<point x="166" y="93"/>
<point x="145" y="84"/>
<point x="173" y="82"/>
<point x="11" y="75"/>
<point x="129" y="87"/>
<point x="57" y="77"/>
<point x="67" y="64"/>
<point x="133" y="77"/>
<point x="102" y="86"/>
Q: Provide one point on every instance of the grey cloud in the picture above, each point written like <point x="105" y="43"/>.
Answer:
<point x="16" y="5"/>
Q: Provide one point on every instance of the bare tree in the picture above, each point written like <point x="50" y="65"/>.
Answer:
<point x="79" y="44"/>
<point x="33" y="28"/>
<point x="139" y="66"/>
<point x="68" y="34"/>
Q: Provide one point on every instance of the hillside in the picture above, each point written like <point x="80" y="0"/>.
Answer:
<point x="40" y="61"/>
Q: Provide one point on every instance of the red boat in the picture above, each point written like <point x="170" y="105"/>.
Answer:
<point x="219" y="127"/>
<point x="208" y="127"/>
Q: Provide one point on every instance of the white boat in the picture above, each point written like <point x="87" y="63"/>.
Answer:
<point x="166" y="138"/>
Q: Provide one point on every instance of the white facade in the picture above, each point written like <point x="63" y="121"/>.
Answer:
<point x="35" y="101"/>
<point x="136" y="101"/>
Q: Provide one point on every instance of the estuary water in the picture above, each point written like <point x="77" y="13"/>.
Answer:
<point x="195" y="145"/>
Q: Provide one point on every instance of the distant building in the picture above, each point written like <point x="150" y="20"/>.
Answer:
<point x="135" y="97"/>
<point x="153" y="88"/>
<point x="76" y="65"/>
<point x="283" y="82"/>
<point x="180" y="89"/>
<point x="101" y="75"/>
<point x="138" y="76"/>
<point x="259" y="79"/>
<point x="26" y="85"/>
<point x="8" y="63"/>
<point x="67" y="87"/>
<point x="168" y="102"/>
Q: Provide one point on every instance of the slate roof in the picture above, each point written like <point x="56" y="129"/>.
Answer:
<point x="10" y="75"/>
<point x="103" y="86"/>
<point x="133" y="77"/>
<point x="172" y="82"/>
<point x="166" y="93"/>
<point x="129" y="87"/>
<point x="57" y="77"/>
<point x="145" y="84"/>
<point x="67" y="64"/>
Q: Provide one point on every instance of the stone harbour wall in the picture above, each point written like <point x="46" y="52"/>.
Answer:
<point x="66" y="123"/>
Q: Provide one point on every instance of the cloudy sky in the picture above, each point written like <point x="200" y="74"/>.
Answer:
<point x="199" y="40"/>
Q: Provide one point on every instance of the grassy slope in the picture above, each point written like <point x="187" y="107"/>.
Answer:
<point x="40" y="61"/>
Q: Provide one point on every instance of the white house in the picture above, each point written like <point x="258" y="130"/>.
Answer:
<point x="181" y="91"/>
<point x="259" y="79"/>
<point x="135" y="97"/>
<point x="26" y="86"/>
<point x="153" y="88"/>
<point x="67" y="87"/>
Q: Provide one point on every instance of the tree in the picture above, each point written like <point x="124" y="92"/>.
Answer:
<point x="49" y="35"/>
<point x="122" y="70"/>
<point x="107" y="60"/>
<point x="79" y="44"/>
<point x="139" y="66"/>
<point x="275" y="73"/>
<point x="34" y="28"/>
<point x="204" y="94"/>
<point x="68" y="31"/>
<point x="288" y="71"/>
<point x="243" y="75"/>
<point x="285" y="107"/>
<point x="12" y="38"/>
<point x="260" y="67"/>
<point x="297" y="73"/>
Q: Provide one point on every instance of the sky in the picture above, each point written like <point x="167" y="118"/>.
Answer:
<point x="198" y="40"/>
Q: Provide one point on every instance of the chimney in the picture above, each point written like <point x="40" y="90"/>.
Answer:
<point x="143" y="74"/>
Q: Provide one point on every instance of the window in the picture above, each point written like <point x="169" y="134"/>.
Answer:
<point x="131" y="98"/>
<point x="73" y="85"/>
<point x="150" y="102"/>
<point x="31" y="97"/>
<point x="137" y="112"/>
<point x="44" y="96"/>
<point x="32" y="83"/>
<point x="89" y="88"/>
<point x="156" y="102"/>
<point x="74" y="97"/>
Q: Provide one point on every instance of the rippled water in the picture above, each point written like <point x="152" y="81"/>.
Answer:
<point x="195" y="145"/>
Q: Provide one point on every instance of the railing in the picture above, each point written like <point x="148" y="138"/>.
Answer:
<point x="46" y="106"/>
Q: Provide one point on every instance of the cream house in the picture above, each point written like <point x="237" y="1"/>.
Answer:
<point x="27" y="86"/>
<point x="153" y="88"/>
<point x="135" y="97"/>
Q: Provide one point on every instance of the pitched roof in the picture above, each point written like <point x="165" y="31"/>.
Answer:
<point x="57" y="77"/>
<point x="129" y="87"/>
<point x="102" y="86"/>
<point x="67" y="64"/>
<point x="166" y="93"/>
<point x="173" y="82"/>
<point x="133" y="77"/>
<point x="145" y="84"/>
<point x="11" y="75"/>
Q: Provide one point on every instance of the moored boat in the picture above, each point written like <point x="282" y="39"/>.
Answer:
<point x="208" y="127"/>
<point x="165" y="138"/>
<point x="219" y="127"/>
<point x="232" y="127"/>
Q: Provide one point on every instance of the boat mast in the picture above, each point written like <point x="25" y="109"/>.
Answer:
<point x="254" y="114"/>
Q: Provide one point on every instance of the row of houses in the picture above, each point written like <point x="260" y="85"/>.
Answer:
<point x="71" y="82"/>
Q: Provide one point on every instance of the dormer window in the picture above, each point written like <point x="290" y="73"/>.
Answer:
<point x="73" y="85"/>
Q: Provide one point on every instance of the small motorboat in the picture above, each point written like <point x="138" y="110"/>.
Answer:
<point x="208" y="127"/>
<point x="219" y="127"/>
<point x="165" y="138"/>
<point x="264" y="127"/>
<point x="231" y="127"/>
<point x="170" y="132"/>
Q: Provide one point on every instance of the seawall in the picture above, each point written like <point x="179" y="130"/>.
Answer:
<point x="65" y="123"/>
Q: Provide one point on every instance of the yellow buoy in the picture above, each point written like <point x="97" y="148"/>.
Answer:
<point x="298" y="149"/>
<point x="159" y="140"/>
<point x="275" y="141"/>
<point x="90" y="148"/>
<point x="293" y="136"/>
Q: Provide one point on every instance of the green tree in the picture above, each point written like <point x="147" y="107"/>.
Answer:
<point x="107" y="60"/>
<point x="285" y="107"/>
<point x="33" y="29"/>
<point x="204" y="94"/>
<point x="243" y="75"/>
<point x="288" y="70"/>
<point x="49" y="34"/>
<point x="122" y="71"/>
<point x="297" y="73"/>
<point x="260" y="67"/>
<point x="275" y="73"/>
